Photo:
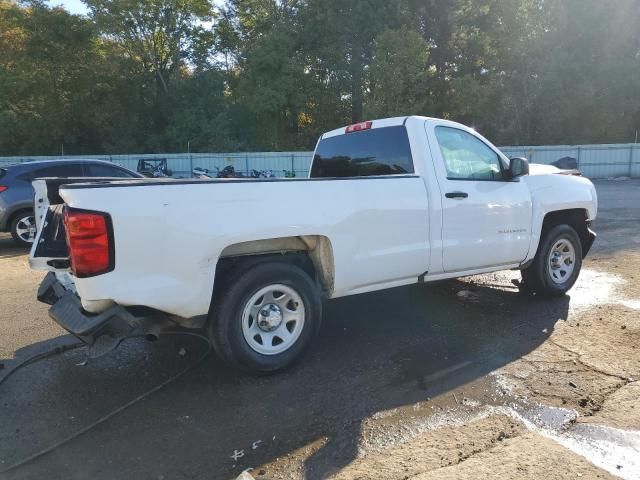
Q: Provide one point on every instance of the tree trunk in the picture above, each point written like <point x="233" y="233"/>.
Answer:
<point x="356" y="88"/>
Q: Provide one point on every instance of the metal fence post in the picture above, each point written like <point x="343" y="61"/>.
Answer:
<point x="190" y="164"/>
<point x="246" y="163"/>
<point x="579" y="155"/>
<point x="293" y="166"/>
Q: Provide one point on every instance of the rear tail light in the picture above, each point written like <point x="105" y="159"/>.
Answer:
<point x="358" y="127"/>
<point x="3" y="188"/>
<point x="90" y="241"/>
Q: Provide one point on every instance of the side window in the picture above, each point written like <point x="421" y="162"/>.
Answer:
<point x="102" y="170"/>
<point x="380" y="151"/>
<point x="59" y="170"/>
<point x="466" y="157"/>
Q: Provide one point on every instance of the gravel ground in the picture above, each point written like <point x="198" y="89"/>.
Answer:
<point x="416" y="382"/>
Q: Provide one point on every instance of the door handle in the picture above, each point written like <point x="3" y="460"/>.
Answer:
<point x="456" y="195"/>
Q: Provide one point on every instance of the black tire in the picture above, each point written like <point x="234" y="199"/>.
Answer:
<point x="16" y="222"/>
<point x="537" y="278"/>
<point x="225" y="318"/>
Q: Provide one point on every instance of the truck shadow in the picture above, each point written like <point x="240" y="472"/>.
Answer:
<point x="375" y="352"/>
<point x="450" y="335"/>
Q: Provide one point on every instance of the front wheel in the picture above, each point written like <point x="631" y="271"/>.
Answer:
<point x="266" y="317"/>
<point x="557" y="263"/>
<point x="23" y="228"/>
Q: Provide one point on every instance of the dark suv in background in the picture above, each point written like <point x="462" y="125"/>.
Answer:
<point x="16" y="193"/>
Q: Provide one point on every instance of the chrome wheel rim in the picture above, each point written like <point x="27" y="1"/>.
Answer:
<point x="273" y="319"/>
<point x="26" y="229"/>
<point x="562" y="261"/>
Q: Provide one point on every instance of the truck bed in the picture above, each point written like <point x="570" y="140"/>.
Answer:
<point x="176" y="230"/>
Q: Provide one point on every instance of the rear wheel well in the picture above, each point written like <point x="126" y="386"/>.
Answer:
<point x="577" y="218"/>
<point x="312" y="254"/>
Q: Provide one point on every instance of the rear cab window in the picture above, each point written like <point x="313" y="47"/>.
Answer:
<point x="378" y="151"/>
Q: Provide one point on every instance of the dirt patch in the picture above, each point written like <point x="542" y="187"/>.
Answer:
<point x="528" y="456"/>
<point x="440" y="447"/>
<point x="553" y="376"/>
<point x="620" y="410"/>
<point x="606" y="339"/>
<point x="595" y="351"/>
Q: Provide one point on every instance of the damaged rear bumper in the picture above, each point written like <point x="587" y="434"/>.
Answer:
<point x="101" y="332"/>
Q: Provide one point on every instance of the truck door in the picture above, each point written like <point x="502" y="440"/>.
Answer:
<point x="486" y="216"/>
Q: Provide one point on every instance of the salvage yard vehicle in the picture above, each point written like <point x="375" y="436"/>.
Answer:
<point x="154" y="167"/>
<point x="387" y="203"/>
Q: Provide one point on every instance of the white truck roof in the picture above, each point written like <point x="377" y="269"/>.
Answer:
<point x="383" y="122"/>
<point x="391" y="122"/>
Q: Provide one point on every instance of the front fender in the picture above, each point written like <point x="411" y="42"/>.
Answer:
<point x="556" y="193"/>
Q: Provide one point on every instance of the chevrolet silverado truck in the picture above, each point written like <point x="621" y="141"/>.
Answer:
<point x="387" y="203"/>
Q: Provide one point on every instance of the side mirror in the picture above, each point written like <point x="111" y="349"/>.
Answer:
<point x="518" y="167"/>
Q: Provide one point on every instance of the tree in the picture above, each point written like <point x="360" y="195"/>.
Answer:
<point x="201" y="115"/>
<point x="339" y="41"/>
<point x="399" y="75"/>
<point x="153" y="75"/>
<point x="590" y="75"/>
<point x="47" y="73"/>
<point x="160" y="34"/>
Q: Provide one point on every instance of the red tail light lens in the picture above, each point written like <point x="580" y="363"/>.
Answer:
<point x="358" y="127"/>
<point x="3" y="188"/>
<point x="90" y="241"/>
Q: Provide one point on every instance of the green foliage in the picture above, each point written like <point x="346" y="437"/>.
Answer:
<point x="47" y="72"/>
<point x="399" y="75"/>
<point x="158" y="75"/>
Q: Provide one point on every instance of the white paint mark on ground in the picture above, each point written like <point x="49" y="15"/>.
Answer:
<point x="632" y="304"/>
<point x="614" y="450"/>
<point x="594" y="288"/>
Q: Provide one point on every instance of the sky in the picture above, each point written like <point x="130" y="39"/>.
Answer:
<point x="74" y="6"/>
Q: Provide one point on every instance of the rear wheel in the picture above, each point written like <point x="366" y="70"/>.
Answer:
<point x="557" y="263"/>
<point x="266" y="317"/>
<point x="23" y="228"/>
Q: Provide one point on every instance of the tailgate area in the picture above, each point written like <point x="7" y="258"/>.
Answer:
<point x="51" y="242"/>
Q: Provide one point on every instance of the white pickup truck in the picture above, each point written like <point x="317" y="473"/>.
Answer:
<point x="387" y="203"/>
